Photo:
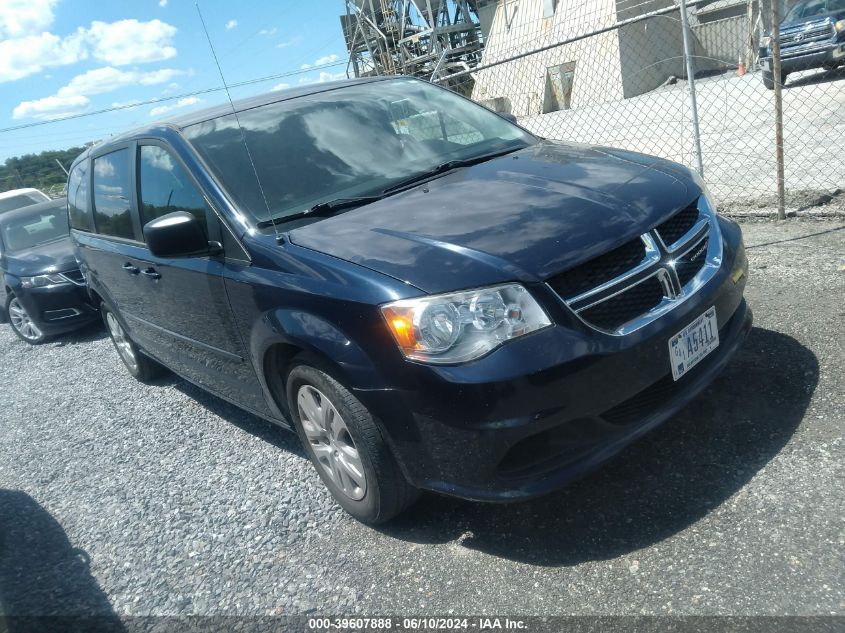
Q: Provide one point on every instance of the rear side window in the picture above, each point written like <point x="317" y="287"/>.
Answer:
<point x="77" y="198"/>
<point x="165" y="187"/>
<point x="111" y="195"/>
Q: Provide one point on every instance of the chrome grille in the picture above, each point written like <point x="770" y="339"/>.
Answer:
<point x="632" y="285"/>
<point x="599" y="270"/>
<point x="805" y="38"/>
<point x="678" y="225"/>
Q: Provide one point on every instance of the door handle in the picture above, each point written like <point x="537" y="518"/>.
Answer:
<point x="151" y="273"/>
<point x="132" y="270"/>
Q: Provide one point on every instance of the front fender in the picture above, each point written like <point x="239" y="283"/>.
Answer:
<point x="313" y="334"/>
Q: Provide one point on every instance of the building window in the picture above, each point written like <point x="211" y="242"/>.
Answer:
<point x="559" y="81"/>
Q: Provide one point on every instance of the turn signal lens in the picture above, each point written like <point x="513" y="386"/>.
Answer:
<point x="462" y="326"/>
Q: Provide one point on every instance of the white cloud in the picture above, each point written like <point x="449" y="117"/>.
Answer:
<point x="116" y="43"/>
<point x="291" y="42"/>
<point x="109" y="78"/>
<point x="19" y="18"/>
<point x="267" y="32"/>
<point x="231" y="24"/>
<point x="182" y="103"/>
<point x="305" y="66"/>
<point x="125" y="104"/>
<point x="132" y="42"/>
<point x="73" y="97"/>
<point x="324" y="76"/>
<point x="162" y="3"/>
<point x="28" y="55"/>
<point x="326" y="59"/>
<point x="281" y="86"/>
<point x="53" y="107"/>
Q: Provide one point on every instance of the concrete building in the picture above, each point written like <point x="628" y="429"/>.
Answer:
<point x="618" y="63"/>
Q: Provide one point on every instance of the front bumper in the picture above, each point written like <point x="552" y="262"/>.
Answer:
<point x="549" y="408"/>
<point x="57" y="309"/>
<point x="816" y="58"/>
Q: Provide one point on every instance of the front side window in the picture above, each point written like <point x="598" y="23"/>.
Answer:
<point x="165" y="187"/>
<point x="77" y="198"/>
<point x="111" y="195"/>
<point x="353" y="141"/>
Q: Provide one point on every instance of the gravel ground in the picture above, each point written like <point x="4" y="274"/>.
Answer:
<point x="121" y="498"/>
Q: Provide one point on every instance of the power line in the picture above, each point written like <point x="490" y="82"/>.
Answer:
<point x="128" y="106"/>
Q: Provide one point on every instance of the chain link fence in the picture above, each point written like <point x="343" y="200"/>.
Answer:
<point x="615" y="72"/>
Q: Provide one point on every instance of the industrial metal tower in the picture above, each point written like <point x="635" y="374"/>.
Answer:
<point x="423" y="38"/>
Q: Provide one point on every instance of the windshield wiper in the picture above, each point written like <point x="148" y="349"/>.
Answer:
<point x="323" y="209"/>
<point x="329" y="207"/>
<point x="449" y="166"/>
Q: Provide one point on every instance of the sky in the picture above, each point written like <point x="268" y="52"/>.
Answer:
<point x="66" y="57"/>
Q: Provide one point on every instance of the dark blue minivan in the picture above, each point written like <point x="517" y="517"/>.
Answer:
<point x="432" y="297"/>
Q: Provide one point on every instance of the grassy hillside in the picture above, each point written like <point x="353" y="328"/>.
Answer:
<point x="37" y="170"/>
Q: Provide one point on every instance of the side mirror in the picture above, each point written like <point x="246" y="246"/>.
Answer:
<point x="507" y="116"/>
<point x="177" y="234"/>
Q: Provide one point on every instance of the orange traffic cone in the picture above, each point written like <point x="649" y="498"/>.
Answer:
<point x="740" y="68"/>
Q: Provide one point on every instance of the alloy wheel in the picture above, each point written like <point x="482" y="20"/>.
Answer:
<point x="22" y="322"/>
<point x="121" y="342"/>
<point x="331" y="442"/>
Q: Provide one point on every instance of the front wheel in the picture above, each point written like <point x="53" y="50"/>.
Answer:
<point x="769" y="80"/>
<point x="22" y="324"/>
<point x="141" y="367"/>
<point x="346" y="447"/>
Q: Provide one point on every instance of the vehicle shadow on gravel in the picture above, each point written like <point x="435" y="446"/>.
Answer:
<point x="42" y="574"/>
<point x="95" y="331"/>
<point x="659" y="486"/>
<point x="259" y="427"/>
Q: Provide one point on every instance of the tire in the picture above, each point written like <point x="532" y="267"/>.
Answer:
<point x="22" y="324"/>
<point x="769" y="80"/>
<point x="141" y="367"/>
<point x="357" y="465"/>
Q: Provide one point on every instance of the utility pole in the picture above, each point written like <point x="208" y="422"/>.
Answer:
<point x="777" y="77"/>
<point x="691" y="84"/>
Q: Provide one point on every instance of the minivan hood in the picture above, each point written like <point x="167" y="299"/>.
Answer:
<point x="524" y="216"/>
<point x="56" y="256"/>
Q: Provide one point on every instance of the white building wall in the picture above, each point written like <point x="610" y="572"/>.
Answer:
<point x="519" y="26"/>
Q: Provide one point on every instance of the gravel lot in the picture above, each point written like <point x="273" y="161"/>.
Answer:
<point x="120" y="498"/>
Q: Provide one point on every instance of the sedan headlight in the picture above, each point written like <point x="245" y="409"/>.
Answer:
<point x="462" y="326"/>
<point x="39" y="281"/>
<point x="839" y="26"/>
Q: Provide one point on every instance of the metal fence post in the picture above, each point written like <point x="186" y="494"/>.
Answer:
<point x="777" y="78"/>
<point x="691" y="84"/>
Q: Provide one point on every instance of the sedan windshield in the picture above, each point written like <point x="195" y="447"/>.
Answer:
<point x="21" y="200"/>
<point x="24" y="233"/>
<point x="346" y="143"/>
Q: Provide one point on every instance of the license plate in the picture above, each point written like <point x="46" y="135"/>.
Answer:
<point x="764" y="64"/>
<point x="694" y="342"/>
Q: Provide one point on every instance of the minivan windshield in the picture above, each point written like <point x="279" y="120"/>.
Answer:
<point x="345" y="143"/>
<point x="23" y="233"/>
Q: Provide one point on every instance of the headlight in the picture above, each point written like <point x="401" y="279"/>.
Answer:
<point x="839" y="26"/>
<point x="766" y="42"/>
<point x="462" y="326"/>
<point x="39" y="281"/>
